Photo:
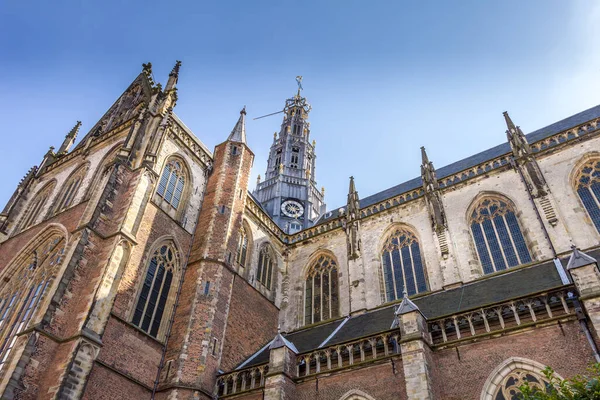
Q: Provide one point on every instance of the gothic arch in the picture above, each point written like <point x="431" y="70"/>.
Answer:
<point x="497" y="377"/>
<point x="314" y="256"/>
<point x="584" y="181"/>
<point x="243" y="256"/>
<point x="321" y="292"/>
<point x="415" y="271"/>
<point x="35" y="206"/>
<point x="267" y="266"/>
<point x="356" y="394"/>
<point x="69" y="189"/>
<point x="101" y="170"/>
<point x="163" y="261"/>
<point x="498" y="238"/>
<point x="178" y="210"/>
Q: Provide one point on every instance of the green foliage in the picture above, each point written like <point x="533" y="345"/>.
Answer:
<point x="580" y="387"/>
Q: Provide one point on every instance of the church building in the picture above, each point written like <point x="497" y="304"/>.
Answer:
<point x="136" y="264"/>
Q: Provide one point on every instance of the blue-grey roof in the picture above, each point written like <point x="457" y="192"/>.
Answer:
<point x="474" y="160"/>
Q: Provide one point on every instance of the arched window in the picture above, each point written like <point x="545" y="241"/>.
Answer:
<point x="498" y="238"/>
<point x="69" y="190"/>
<point x="504" y="382"/>
<point x="402" y="265"/>
<point x="157" y="291"/>
<point x="264" y="272"/>
<point x="588" y="189"/>
<point x="23" y="288"/>
<point x="242" y="249"/>
<point x="172" y="183"/>
<point x="35" y="207"/>
<point x="321" y="291"/>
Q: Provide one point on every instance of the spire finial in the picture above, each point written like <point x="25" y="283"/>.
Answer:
<point x="69" y="139"/>
<point x="175" y="70"/>
<point x="424" y="157"/>
<point x="238" y="134"/>
<point x="299" y="82"/>
<point x="173" y="76"/>
<point x="404" y="292"/>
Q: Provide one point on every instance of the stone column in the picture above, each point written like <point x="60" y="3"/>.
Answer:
<point x="415" y="350"/>
<point x="282" y="370"/>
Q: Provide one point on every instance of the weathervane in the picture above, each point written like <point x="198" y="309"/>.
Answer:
<point x="299" y="81"/>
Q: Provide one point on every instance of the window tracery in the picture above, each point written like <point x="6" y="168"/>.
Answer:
<point x="321" y="291"/>
<point x="35" y="207"/>
<point x="172" y="183"/>
<point x="153" y="299"/>
<point x="264" y="271"/>
<point x="402" y="265"/>
<point x="498" y="238"/>
<point x="588" y="189"/>
<point x="24" y="287"/>
<point x="66" y="197"/>
<point x="508" y="389"/>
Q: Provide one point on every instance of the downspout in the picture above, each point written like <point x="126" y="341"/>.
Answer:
<point x="578" y="309"/>
<point x="172" y="319"/>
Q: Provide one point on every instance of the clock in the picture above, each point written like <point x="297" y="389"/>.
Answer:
<point x="292" y="209"/>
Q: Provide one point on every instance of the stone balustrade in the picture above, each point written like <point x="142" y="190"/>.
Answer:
<point x="241" y="380"/>
<point x="502" y="316"/>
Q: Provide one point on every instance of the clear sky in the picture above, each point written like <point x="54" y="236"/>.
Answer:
<point x="384" y="77"/>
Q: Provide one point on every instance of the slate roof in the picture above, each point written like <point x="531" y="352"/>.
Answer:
<point x="474" y="160"/>
<point x="495" y="289"/>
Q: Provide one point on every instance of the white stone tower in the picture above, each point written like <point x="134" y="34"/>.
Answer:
<point x="289" y="191"/>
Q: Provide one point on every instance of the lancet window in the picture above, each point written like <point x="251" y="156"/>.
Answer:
<point x="67" y="195"/>
<point x="172" y="183"/>
<point x="498" y="238"/>
<point x="588" y="189"/>
<point x="25" y="286"/>
<point x="242" y="249"/>
<point x="402" y="265"/>
<point x="321" y="291"/>
<point x="155" y="299"/>
<point x="35" y="207"/>
<point x="264" y="272"/>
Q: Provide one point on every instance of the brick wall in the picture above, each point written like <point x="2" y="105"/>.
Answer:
<point x="251" y="323"/>
<point x="460" y="373"/>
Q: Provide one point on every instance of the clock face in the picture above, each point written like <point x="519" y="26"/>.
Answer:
<point x="292" y="209"/>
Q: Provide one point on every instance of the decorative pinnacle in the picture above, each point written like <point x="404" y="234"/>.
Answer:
<point x="238" y="134"/>
<point x="509" y="124"/>
<point x="73" y="133"/>
<point x="279" y="329"/>
<point x="404" y="292"/>
<point x="352" y="189"/>
<point x="175" y="70"/>
<point x="424" y="157"/>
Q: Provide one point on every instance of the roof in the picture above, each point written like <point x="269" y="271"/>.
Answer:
<point x="474" y="160"/>
<point x="579" y="259"/>
<point x="494" y="289"/>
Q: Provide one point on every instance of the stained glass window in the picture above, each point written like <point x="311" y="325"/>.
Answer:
<point x="172" y="183"/>
<point x="154" y="294"/>
<point x="402" y="265"/>
<point x="24" y="290"/>
<point x="264" y="271"/>
<point x="498" y="238"/>
<point x="321" y="291"/>
<point x="588" y="189"/>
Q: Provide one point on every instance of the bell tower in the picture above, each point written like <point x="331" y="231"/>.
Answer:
<point x="289" y="191"/>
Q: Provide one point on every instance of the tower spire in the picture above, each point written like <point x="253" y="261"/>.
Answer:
<point x="173" y="76"/>
<point x="69" y="139"/>
<point x="238" y="134"/>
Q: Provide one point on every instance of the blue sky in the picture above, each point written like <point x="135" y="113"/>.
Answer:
<point x="384" y="77"/>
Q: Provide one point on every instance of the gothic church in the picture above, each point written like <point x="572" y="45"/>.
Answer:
<point x="135" y="264"/>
